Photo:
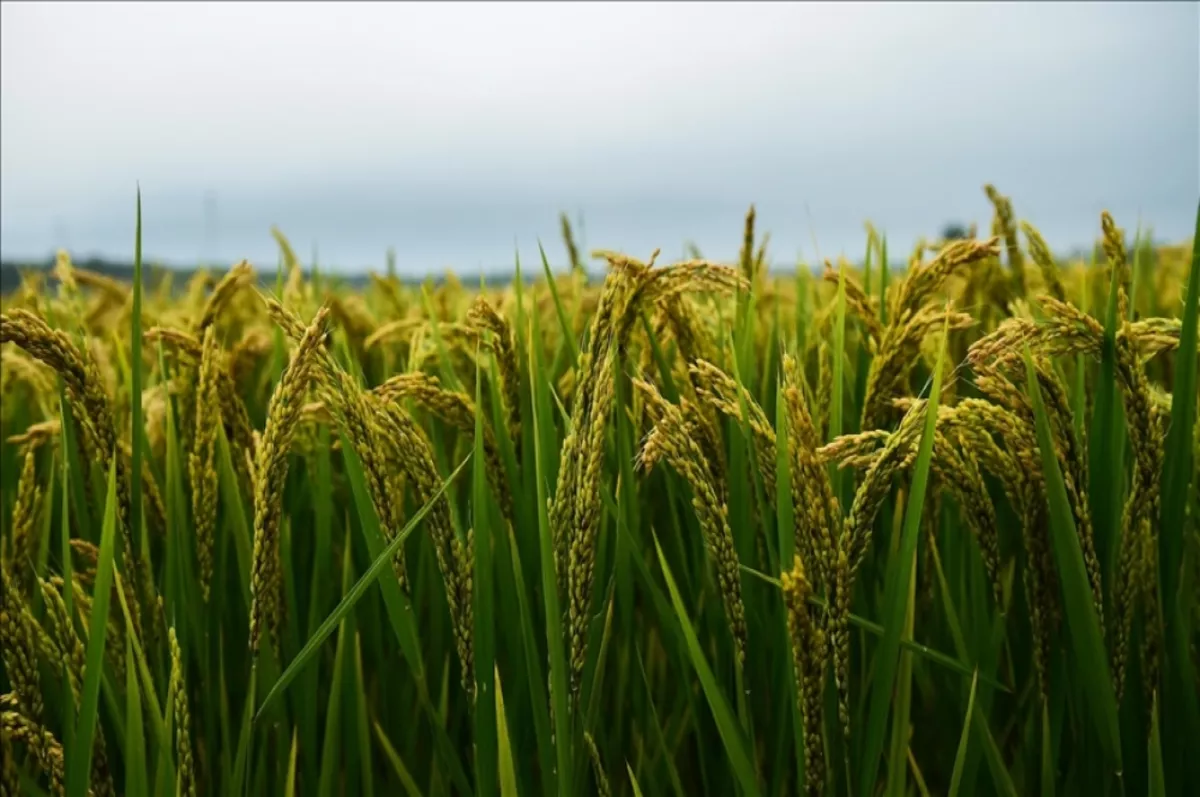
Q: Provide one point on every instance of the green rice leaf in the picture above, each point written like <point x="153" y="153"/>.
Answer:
<point x="289" y="788"/>
<point x="542" y="424"/>
<point x="394" y="759"/>
<point x="1158" y="782"/>
<point x="483" y="595"/>
<point x="79" y="764"/>
<point x="1182" y="720"/>
<point x="897" y="585"/>
<point x="564" y="325"/>
<point x="727" y="725"/>
<point x="1083" y="626"/>
<point x="380" y="563"/>
<point x="633" y="781"/>
<point x="507" y="769"/>
<point x="135" y="388"/>
<point x="960" y="757"/>
<point x="135" y="744"/>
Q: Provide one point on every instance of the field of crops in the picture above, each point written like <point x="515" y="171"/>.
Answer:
<point x="685" y="529"/>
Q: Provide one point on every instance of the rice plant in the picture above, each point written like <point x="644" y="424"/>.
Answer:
<point x="641" y="528"/>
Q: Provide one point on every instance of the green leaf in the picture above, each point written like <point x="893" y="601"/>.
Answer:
<point x="507" y="769"/>
<point x="1158" y="784"/>
<point x="655" y="722"/>
<point x="539" y="706"/>
<point x="543" y="425"/>
<point x="633" y="781"/>
<point x="885" y="271"/>
<point x="568" y="332"/>
<point x="897" y="585"/>
<point x="135" y="744"/>
<point x="960" y="758"/>
<point x="924" y="651"/>
<point x="381" y="562"/>
<point x="135" y="391"/>
<point x="899" y="752"/>
<point x="289" y="788"/>
<point x="1048" y="763"/>
<point x="79" y="764"/>
<point x="357" y="686"/>
<point x="484" y="630"/>
<point x="399" y="610"/>
<point x="1180" y="694"/>
<point x="1083" y="626"/>
<point x="331" y="746"/>
<point x="449" y="375"/>
<point x="157" y="716"/>
<point x="235" y="513"/>
<point x="727" y="725"/>
<point x="1000" y="776"/>
<point x="393" y="757"/>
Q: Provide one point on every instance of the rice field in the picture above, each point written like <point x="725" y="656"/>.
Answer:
<point x="689" y="528"/>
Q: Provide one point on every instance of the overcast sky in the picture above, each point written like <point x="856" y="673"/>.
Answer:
<point x="456" y="131"/>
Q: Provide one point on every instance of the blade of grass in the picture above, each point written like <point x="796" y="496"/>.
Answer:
<point x="484" y="598"/>
<point x="79" y="765"/>
<point x="863" y="360"/>
<point x="289" y="788"/>
<point x="543" y="424"/>
<point x="918" y="777"/>
<point x="900" y="752"/>
<point x="1158" y="784"/>
<point x="507" y="769"/>
<point x="1087" y="644"/>
<point x="380" y="562"/>
<point x="533" y="665"/>
<point x="399" y="609"/>
<point x="960" y="757"/>
<point x="235" y="514"/>
<point x="727" y="724"/>
<point x="1003" y="781"/>
<point x="1048" y="763"/>
<point x="875" y="629"/>
<point x="449" y="376"/>
<point x="897" y="585"/>
<point x="656" y="724"/>
<point x="633" y="781"/>
<point x="362" y="740"/>
<point x="135" y="745"/>
<point x="135" y="389"/>
<point x="331" y="747"/>
<point x="157" y="716"/>
<point x="885" y="272"/>
<point x="1183" y="721"/>
<point x="389" y="752"/>
<point x="568" y="332"/>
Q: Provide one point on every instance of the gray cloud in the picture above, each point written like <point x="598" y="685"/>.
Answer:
<point x="454" y="131"/>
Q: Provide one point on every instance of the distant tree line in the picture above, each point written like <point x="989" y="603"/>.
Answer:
<point x="10" y="274"/>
